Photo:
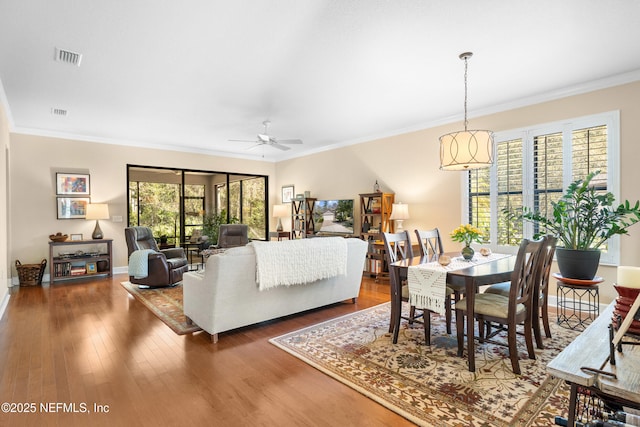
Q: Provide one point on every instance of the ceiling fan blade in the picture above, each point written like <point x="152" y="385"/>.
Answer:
<point x="280" y="147"/>
<point x="256" y="145"/>
<point x="263" y="137"/>
<point x="289" y="141"/>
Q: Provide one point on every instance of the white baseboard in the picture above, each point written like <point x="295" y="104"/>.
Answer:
<point x="5" y="301"/>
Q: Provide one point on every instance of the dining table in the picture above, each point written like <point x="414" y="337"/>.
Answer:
<point x="467" y="281"/>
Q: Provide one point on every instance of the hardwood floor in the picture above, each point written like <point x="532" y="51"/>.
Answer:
<point x="68" y="347"/>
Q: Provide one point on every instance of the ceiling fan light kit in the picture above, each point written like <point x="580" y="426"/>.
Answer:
<point x="266" y="139"/>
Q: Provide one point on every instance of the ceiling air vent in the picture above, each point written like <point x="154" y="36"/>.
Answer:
<point x="68" y="56"/>
<point x="59" y="112"/>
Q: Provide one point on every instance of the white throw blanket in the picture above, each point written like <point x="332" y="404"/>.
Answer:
<point x="294" y="262"/>
<point x="139" y="263"/>
<point x="427" y="282"/>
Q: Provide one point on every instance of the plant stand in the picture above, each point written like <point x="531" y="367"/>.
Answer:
<point x="577" y="305"/>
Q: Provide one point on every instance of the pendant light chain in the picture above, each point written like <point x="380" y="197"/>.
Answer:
<point x="466" y="63"/>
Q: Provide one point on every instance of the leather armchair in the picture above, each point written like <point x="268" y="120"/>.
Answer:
<point x="166" y="266"/>
<point x="232" y="235"/>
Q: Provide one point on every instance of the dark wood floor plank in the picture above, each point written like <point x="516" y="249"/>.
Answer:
<point x="93" y="343"/>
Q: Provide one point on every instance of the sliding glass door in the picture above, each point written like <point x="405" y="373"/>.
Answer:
<point x="178" y="203"/>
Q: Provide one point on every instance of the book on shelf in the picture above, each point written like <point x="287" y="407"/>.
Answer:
<point x="78" y="271"/>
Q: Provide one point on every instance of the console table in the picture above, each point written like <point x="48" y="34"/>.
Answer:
<point x="76" y="259"/>
<point x="591" y="350"/>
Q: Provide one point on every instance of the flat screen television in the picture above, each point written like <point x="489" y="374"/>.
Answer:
<point x="333" y="216"/>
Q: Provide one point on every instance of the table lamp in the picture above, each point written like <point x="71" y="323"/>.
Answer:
<point x="97" y="211"/>
<point x="280" y="211"/>
<point x="399" y="212"/>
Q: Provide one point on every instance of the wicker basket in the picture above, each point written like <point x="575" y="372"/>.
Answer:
<point x="30" y="274"/>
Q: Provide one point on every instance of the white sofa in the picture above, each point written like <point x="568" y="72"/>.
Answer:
<point x="226" y="296"/>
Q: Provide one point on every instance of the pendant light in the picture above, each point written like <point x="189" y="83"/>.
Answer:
<point x="467" y="149"/>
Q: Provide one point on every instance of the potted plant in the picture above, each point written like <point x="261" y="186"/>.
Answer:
<point x="582" y="220"/>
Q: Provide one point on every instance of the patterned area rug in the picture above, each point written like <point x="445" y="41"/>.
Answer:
<point x="166" y="303"/>
<point x="431" y="386"/>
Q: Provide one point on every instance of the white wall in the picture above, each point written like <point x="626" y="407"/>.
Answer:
<point x="5" y="272"/>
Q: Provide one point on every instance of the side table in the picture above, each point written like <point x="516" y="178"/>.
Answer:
<point x="280" y="235"/>
<point x="577" y="304"/>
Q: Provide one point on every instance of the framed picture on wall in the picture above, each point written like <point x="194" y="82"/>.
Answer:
<point x="72" y="184"/>
<point x="72" y="207"/>
<point x="287" y="193"/>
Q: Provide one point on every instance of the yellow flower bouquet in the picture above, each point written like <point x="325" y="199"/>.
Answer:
<point x="466" y="234"/>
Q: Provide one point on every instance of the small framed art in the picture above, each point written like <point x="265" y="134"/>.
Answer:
<point x="287" y="193"/>
<point x="75" y="184"/>
<point x="72" y="207"/>
<point x="91" y="268"/>
<point x="76" y="237"/>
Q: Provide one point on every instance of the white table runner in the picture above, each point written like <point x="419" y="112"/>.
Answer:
<point x="428" y="282"/>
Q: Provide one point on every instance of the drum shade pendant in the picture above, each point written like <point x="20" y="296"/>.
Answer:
<point x="467" y="149"/>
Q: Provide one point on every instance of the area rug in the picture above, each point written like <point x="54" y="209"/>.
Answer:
<point x="431" y="386"/>
<point x="166" y="303"/>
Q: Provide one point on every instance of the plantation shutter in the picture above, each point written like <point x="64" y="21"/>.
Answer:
<point x="509" y="185"/>
<point x="589" y="154"/>
<point x="479" y="200"/>
<point x="547" y="173"/>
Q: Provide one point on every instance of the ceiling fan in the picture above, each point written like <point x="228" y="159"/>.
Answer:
<point x="266" y="139"/>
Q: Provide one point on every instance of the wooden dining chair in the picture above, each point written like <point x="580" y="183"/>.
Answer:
<point x="541" y="304"/>
<point x="397" y="246"/>
<point x="540" y="310"/>
<point x="509" y="311"/>
<point x="430" y="244"/>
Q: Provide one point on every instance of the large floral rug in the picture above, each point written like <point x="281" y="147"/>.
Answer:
<point x="166" y="303"/>
<point x="431" y="386"/>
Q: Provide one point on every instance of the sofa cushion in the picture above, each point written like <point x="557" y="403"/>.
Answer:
<point x="240" y="250"/>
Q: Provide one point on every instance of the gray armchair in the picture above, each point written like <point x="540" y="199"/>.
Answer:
<point x="232" y="235"/>
<point x="166" y="266"/>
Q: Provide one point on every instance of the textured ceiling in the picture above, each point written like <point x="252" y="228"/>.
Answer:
<point x="192" y="75"/>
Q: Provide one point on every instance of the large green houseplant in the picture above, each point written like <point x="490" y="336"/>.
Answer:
<point x="582" y="220"/>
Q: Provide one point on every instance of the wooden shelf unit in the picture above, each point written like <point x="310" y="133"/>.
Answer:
<point x="74" y="266"/>
<point x="375" y="210"/>
<point x="302" y="224"/>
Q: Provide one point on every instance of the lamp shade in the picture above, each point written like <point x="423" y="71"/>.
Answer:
<point x="466" y="150"/>
<point x="399" y="211"/>
<point x="280" y="211"/>
<point x="97" y="211"/>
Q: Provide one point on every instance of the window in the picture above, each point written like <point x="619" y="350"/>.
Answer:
<point x="533" y="166"/>
<point x="173" y="202"/>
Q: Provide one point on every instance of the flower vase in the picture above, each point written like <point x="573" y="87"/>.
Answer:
<point x="468" y="252"/>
